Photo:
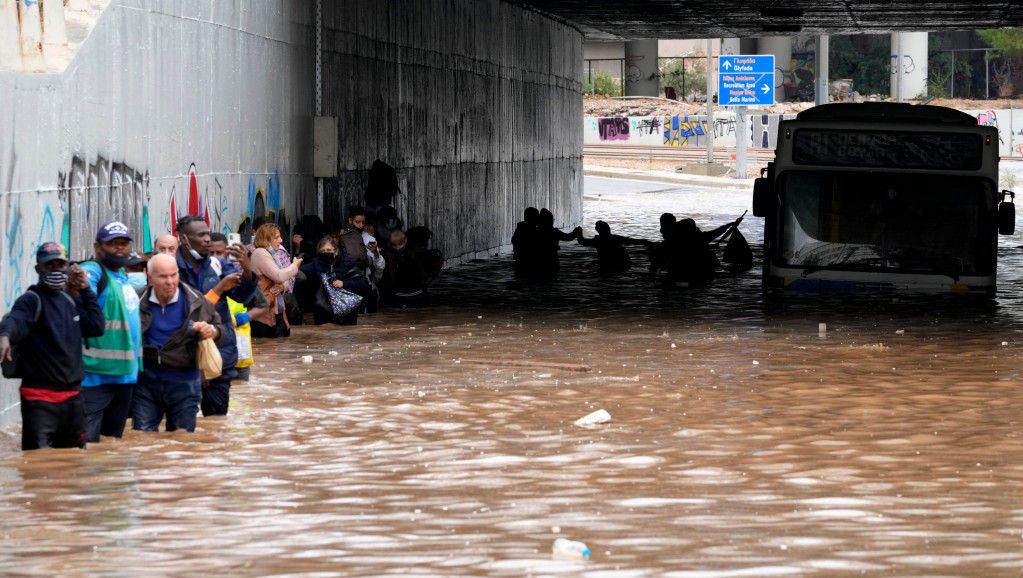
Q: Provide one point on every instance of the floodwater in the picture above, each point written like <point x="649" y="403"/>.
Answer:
<point x="744" y="440"/>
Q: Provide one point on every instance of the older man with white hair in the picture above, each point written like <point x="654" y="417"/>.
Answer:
<point x="165" y="244"/>
<point x="174" y="318"/>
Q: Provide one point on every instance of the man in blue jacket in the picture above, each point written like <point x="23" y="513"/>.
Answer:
<point x="48" y="322"/>
<point x="216" y="278"/>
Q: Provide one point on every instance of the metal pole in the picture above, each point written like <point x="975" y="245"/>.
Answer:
<point x="952" y="89"/>
<point x="987" y="77"/>
<point x="710" y="106"/>
<point x="898" y="67"/>
<point x="683" y="78"/>
<point x="321" y="212"/>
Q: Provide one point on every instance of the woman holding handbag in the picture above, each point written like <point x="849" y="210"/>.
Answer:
<point x="334" y="272"/>
<point x="273" y="277"/>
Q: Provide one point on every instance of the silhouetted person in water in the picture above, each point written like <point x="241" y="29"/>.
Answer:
<point x="545" y="263"/>
<point x="690" y="258"/>
<point x="660" y="251"/>
<point x="612" y="257"/>
<point x="525" y="240"/>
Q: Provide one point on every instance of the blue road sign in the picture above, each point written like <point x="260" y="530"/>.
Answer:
<point x="746" y="80"/>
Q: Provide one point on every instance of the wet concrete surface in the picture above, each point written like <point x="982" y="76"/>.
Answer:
<point x="743" y="441"/>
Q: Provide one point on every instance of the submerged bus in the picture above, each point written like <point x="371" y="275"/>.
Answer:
<point x="882" y="196"/>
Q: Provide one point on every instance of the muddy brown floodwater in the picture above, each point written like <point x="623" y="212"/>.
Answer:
<point x="743" y="441"/>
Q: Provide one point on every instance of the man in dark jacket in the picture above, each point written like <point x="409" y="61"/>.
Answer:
<point x="174" y="318"/>
<point x="48" y="322"/>
<point x="216" y="278"/>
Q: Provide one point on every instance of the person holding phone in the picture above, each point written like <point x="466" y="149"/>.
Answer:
<point x="216" y="278"/>
<point x="274" y="278"/>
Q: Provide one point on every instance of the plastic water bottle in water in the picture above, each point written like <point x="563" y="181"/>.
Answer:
<point x="572" y="550"/>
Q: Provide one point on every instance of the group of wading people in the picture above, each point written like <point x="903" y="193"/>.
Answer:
<point x="119" y="336"/>
<point x="683" y="254"/>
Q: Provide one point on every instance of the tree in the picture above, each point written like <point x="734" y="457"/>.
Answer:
<point x="864" y="59"/>
<point x="687" y="75"/>
<point x="1007" y="61"/>
<point x="603" y="84"/>
<point x="940" y="72"/>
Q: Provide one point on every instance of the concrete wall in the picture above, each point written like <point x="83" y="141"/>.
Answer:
<point x="169" y="108"/>
<point x="691" y="130"/>
<point x="475" y="103"/>
<point x="681" y="130"/>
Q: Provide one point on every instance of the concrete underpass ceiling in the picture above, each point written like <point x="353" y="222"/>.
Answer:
<point x="608" y="20"/>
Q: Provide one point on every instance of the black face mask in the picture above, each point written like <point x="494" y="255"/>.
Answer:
<point x="114" y="261"/>
<point x="326" y="259"/>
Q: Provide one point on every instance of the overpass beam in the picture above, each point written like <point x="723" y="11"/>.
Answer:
<point x="642" y="75"/>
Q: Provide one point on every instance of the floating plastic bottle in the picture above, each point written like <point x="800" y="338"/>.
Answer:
<point x="564" y="548"/>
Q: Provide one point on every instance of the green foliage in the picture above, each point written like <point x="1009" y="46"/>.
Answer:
<point x="604" y="85"/>
<point x="867" y="62"/>
<point x="685" y="75"/>
<point x="1008" y="41"/>
<point x="1007" y="61"/>
<point x="939" y="72"/>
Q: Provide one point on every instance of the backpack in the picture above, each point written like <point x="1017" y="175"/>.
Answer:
<point x="12" y="369"/>
<point x="352" y="245"/>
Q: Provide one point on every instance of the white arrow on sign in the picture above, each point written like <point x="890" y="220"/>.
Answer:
<point x="727" y="64"/>
<point x="765" y="88"/>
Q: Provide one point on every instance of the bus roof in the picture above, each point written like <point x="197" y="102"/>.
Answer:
<point x="888" y="111"/>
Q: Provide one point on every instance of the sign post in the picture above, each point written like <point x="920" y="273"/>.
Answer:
<point x="744" y="80"/>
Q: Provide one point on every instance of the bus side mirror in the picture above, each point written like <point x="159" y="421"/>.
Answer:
<point x="1006" y="214"/>
<point x="763" y="199"/>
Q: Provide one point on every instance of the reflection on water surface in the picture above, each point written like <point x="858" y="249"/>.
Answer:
<point x="440" y="442"/>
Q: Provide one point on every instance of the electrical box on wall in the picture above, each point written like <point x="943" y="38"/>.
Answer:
<point x="325" y="146"/>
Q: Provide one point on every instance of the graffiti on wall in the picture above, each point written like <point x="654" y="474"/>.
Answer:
<point x="765" y="129"/>
<point x="678" y="130"/>
<point x="266" y="204"/>
<point x="94" y="193"/>
<point x="615" y="128"/>
<point x="194" y="203"/>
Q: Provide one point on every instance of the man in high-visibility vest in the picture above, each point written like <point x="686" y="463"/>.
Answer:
<point x="113" y="360"/>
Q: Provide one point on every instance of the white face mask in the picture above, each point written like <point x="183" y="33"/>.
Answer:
<point x="195" y="254"/>
<point x="137" y="280"/>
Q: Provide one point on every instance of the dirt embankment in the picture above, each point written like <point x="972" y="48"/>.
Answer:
<point x="606" y="106"/>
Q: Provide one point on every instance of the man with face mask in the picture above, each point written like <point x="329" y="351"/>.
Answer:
<point x="113" y="360"/>
<point x="216" y="278"/>
<point x="48" y="322"/>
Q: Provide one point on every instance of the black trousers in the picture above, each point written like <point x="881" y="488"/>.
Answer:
<point x="216" y="396"/>
<point x="53" y="425"/>
<point x="280" y="329"/>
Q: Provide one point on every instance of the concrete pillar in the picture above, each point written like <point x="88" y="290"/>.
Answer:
<point x="781" y="48"/>
<point x="31" y="37"/>
<point x="642" y="76"/>
<point x="10" y="53"/>
<point x="53" y="18"/>
<point x="913" y="65"/>
<point x="821" y="66"/>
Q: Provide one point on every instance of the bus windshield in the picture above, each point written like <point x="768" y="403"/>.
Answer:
<point x="886" y="221"/>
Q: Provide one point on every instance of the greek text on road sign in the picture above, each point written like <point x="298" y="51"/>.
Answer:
<point x="745" y="80"/>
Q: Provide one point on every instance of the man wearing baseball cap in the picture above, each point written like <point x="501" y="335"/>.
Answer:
<point x="47" y="324"/>
<point x="112" y="361"/>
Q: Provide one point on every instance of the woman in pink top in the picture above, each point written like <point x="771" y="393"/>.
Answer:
<point x="273" y="279"/>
